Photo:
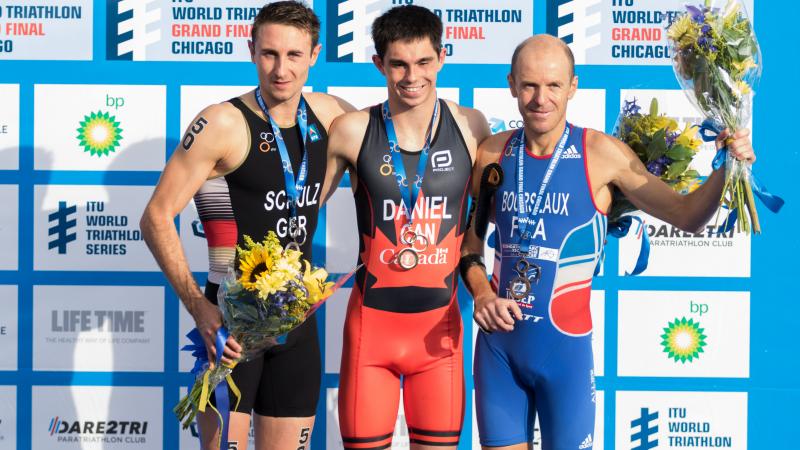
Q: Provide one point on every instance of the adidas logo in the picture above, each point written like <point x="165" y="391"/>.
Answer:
<point x="587" y="443"/>
<point x="571" y="153"/>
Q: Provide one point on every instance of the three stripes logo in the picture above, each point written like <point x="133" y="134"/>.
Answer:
<point x="645" y="430"/>
<point x="62" y="227"/>
<point x="571" y="153"/>
<point x="587" y="443"/>
<point x="576" y="22"/>
<point x="349" y="23"/>
<point x="127" y="29"/>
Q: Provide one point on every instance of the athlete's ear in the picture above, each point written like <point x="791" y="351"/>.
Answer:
<point x="573" y="86"/>
<point x="252" y="50"/>
<point x="511" y="86"/>
<point x="315" y="53"/>
<point x="378" y="61"/>
<point x="442" y="55"/>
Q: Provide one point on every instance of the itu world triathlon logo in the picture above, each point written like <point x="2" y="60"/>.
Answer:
<point x="683" y="340"/>
<point x="127" y="24"/>
<point x="99" y="133"/>
<point x="62" y="227"/>
<point x="577" y="22"/>
<point x="643" y="430"/>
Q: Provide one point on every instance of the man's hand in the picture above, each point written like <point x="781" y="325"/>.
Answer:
<point x="493" y="313"/>
<point x="739" y="144"/>
<point x="208" y="319"/>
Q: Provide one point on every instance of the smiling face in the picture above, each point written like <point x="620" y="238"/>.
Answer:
<point x="542" y="83"/>
<point x="283" y="55"/>
<point x="410" y="68"/>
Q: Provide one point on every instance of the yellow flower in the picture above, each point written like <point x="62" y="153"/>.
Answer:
<point x="314" y="281"/>
<point x="742" y="88"/>
<point x="254" y="263"/>
<point x="688" y="138"/>
<point x="684" y="31"/>
<point x="270" y="284"/>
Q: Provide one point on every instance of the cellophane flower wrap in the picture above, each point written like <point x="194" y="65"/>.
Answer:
<point x="272" y="292"/>
<point x="664" y="148"/>
<point x="717" y="60"/>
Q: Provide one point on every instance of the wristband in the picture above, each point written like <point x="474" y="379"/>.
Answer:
<point x="469" y="260"/>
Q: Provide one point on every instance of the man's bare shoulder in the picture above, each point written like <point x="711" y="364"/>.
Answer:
<point x="472" y="122"/>
<point x="354" y="122"/>
<point x="327" y="107"/>
<point x="604" y="145"/>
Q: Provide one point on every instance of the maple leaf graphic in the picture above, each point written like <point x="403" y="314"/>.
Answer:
<point x="379" y="252"/>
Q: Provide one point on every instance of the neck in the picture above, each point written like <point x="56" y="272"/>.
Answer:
<point x="542" y="144"/>
<point x="412" y="122"/>
<point x="283" y="112"/>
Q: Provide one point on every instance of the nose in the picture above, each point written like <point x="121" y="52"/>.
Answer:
<point x="538" y="97"/>
<point x="411" y="75"/>
<point x="279" y="70"/>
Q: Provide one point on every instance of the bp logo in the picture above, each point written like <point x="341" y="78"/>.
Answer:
<point x="99" y="134"/>
<point x="683" y="340"/>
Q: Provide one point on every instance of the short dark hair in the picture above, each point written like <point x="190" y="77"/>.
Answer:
<point x="292" y="13"/>
<point x="564" y="46"/>
<point x="406" y="23"/>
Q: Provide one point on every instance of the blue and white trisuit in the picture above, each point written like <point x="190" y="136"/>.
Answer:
<point x="545" y="365"/>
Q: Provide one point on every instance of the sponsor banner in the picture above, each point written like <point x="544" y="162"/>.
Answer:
<point x="97" y="418"/>
<point x="9" y="331"/>
<point x="618" y="32"/>
<point x="8" y="418"/>
<point x="46" y="30"/>
<point x="9" y="227"/>
<point x="677" y="253"/>
<point x="335" y="313"/>
<point x="586" y="109"/>
<point x="190" y="436"/>
<point x="593" y="442"/>
<point x="9" y="126"/>
<point x="166" y="30"/>
<point x="193" y="238"/>
<point x="474" y="32"/>
<point x="90" y="228"/>
<point x="333" y="440"/>
<point x="684" y="334"/>
<point x="364" y="96"/>
<point x="681" y="420"/>
<point x="100" y="328"/>
<point x="674" y="252"/>
<point x="99" y="127"/>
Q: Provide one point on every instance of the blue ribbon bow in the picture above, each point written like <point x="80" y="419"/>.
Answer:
<point x="709" y="130"/>
<point x="200" y="352"/>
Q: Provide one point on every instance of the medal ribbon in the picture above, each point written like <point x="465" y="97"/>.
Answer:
<point x="409" y="197"/>
<point x="294" y="186"/>
<point x="524" y="220"/>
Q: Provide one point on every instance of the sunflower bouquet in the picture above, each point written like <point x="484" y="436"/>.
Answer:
<point x="664" y="149"/>
<point x="717" y="60"/>
<point x="273" y="291"/>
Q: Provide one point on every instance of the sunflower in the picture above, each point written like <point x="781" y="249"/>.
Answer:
<point x="254" y="263"/>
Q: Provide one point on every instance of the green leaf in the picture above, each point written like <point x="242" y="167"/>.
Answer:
<point x="657" y="146"/>
<point x="677" y="168"/>
<point x="679" y="153"/>
<point x="692" y="174"/>
<point x="654" y="107"/>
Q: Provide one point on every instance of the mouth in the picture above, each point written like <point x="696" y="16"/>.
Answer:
<point x="410" y="90"/>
